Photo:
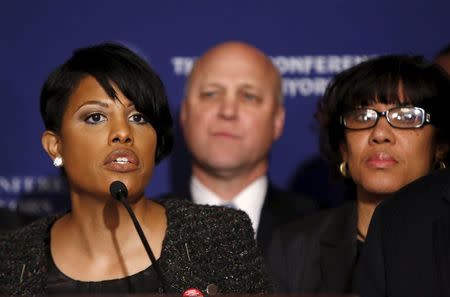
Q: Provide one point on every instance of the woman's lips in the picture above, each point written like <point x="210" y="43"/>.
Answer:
<point x="121" y="161"/>
<point x="224" y="134"/>
<point x="381" y="160"/>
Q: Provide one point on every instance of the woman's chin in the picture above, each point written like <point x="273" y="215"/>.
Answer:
<point x="381" y="188"/>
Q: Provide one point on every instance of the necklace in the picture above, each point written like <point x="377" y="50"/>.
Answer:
<point x="362" y="236"/>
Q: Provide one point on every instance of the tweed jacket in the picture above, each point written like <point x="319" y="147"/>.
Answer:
<point x="203" y="245"/>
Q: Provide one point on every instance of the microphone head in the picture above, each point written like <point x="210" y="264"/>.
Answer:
<point x="118" y="190"/>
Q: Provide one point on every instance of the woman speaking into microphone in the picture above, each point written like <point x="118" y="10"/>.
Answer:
<point x="107" y="119"/>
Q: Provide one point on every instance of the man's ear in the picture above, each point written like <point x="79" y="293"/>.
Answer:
<point x="51" y="143"/>
<point x="279" y="122"/>
<point x="182" y="116"/>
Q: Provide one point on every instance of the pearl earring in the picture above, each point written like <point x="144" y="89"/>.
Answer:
<point x="58" y="161"/>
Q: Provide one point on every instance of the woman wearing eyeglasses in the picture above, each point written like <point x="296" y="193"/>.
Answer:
<point x="382" y="127"/>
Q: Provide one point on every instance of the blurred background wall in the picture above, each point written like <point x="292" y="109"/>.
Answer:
<point x="309" y="41"/>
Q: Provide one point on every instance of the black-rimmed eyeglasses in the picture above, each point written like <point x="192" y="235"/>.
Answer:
<point x="398" y="117"/>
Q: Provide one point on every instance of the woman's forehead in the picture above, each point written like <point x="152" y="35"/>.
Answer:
<point x="89" y="89"/>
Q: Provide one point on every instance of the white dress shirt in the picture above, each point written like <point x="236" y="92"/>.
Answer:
<point x="250" y="200"/>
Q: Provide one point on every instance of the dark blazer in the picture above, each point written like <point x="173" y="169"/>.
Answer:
<point x="203" y="245"/>
<point x="407" y="251"/>
<point x="316" y="254"/>
<point x="279" y="208"/>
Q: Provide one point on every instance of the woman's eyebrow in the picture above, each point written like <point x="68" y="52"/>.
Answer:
<point x="94" y="102"/>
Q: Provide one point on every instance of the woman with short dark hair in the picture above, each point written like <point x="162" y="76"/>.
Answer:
<point x="384" y="124"/>
<point x="107" y="119"/>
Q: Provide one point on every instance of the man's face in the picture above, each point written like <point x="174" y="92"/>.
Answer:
<point x="231" y="114"/>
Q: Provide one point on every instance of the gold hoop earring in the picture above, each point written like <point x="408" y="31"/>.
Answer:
<point x="343" y="168"/>
<point x="442" y="165"/>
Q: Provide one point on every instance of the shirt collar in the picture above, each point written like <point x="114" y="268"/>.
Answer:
<point x="250" y="199"/>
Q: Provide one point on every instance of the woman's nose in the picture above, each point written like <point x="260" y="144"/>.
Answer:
<point x="382" y="132"/>
<point x="121" y="132"/>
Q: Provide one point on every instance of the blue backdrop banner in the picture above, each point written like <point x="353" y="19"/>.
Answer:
<point x="309" y="41"/>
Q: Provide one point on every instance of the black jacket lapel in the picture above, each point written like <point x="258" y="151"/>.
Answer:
<point x="441" y="241"/>
<point x="338" y="250"/>
<point x="267" y="220"/>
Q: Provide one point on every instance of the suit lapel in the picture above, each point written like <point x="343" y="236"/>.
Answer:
<point x="273" y="213"/>
<point x="185" y="193"/>
<point x="338" y="249"/>
<point x="266" y="222"/>
<point x="441" y="241"/>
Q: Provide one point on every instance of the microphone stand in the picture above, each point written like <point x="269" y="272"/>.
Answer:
<point x="121" y="195"/>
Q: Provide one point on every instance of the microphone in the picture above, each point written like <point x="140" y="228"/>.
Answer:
<point x="120" y="192"/>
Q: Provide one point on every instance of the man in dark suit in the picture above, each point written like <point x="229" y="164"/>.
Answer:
<point x="407" y="251"/>
<point x="316" y="254"/>
<point x="231" y="115"/>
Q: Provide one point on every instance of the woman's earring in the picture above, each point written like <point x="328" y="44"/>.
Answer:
<point x="58" y="161"/>
<point x="343" y="168"/>
<point x="442" y="165"/>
